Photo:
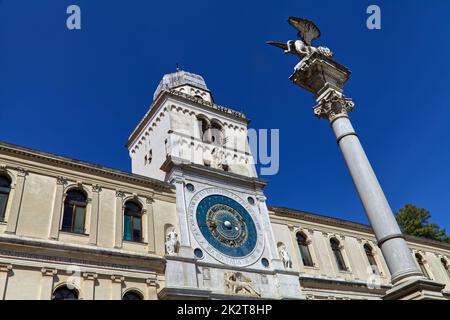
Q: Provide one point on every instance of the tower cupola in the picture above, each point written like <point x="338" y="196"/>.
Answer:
<point x="185" y="82"/>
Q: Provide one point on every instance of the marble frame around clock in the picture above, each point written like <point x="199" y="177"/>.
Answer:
<point x="247" y="260"/>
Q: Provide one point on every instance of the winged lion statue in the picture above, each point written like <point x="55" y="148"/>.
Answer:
<point x="307" y="32"/>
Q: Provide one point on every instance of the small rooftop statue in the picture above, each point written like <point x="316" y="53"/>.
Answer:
<point x="307" y="32"/>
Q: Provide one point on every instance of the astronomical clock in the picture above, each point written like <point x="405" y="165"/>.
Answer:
<point x="226" y="227"/>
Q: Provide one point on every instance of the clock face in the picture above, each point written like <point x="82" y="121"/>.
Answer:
<point x="225" y="226"/>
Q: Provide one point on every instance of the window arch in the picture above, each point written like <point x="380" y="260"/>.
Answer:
<point x="336" y="248"/>
<point x="371" y="257"/>
<point x="304" y="250"/>
<point x="445" y="265"/>
<point x="74" y="211"/>
<point x="5" y="189"/>
<point x="132" y="230"/>
<point x="204" y="126"/>
<point x="421" y="263"/>
<point x="217" y="136"/>
<point x="64" y="293"/>
<point x="132" y="295"/>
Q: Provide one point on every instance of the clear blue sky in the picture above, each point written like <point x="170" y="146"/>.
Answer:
<point x="80" y="94"/>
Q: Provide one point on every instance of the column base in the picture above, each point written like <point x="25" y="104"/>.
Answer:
<point x="416" y="289"/>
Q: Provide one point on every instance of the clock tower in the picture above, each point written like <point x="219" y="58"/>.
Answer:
<point x="223" y="245"/>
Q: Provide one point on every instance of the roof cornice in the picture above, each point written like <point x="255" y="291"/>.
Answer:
<point x="52" y="159"/>
<point x="172" y="163"/>
<point x="336" y="222"/>
<point x="162" y="97"/>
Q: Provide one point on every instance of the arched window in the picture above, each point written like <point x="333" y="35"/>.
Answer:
<point x="5" y="188"/>
<point x="335" y="247"/>
<point x="217" y="136"/>
<point x="132" y="295"/>
<point x="371" y="257"/>
<point x="304" y="250"/>
<point x="74" y="211"/>
<point x="445" y="265"/>
<point x="204" y="126"/>
<point x="64" y="293"/>
<point x="422" y="265"/>
<point x="132" y="230"/>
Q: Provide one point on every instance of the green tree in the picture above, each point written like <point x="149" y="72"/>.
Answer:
<point x="414" y="221"/>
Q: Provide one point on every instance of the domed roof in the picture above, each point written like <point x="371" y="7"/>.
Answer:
<point x="179" y="78"/>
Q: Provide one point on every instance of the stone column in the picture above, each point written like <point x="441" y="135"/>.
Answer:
<point x="116" y="287"/>
<point x="89" y="279"/>
<point x="5" y="270"/>
<point x="118" y="234"/>
<point x="150" y="225"/>
<point x="57" y="208"/>
<point x="326" y="78"/>
<point x="16" y="201"/>
<point x="96" y="189"/>
<point x="334" y="107"/>
<point x="48" y="277"/>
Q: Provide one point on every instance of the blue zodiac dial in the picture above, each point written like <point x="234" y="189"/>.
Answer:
<point x="226" y="225"/>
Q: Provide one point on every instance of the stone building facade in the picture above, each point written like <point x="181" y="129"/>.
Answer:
<point x="190" y="221"/>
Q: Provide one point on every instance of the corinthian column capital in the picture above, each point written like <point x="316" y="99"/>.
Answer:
<point x="333" y="104"/>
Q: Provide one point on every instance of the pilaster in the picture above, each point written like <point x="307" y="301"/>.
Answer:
<point x="16" y="201"/>
<point x="5" y="271"/>
<point x="116" y="287"/>
<point x="93" y="232"/>
<point x="47" y="282"/>
<point x="89" y="279"/>
<point x="57" y="208"/>
<point x="150" y="225"/>
<point x="152" y="288"/>
<point x="118" y="234"/>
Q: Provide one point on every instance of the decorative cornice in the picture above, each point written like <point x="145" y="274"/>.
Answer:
<point x="82" y="166"/>
<point x="205" y="103"/>
<point x="117" y="259"/>
<point x="173" y="164"/>
<point x="336" y="222"/>
<point x="174" y="93"/>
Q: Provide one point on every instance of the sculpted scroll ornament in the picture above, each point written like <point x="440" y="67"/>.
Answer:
<point x="332" y="105"/>
<point x="237" y="283"/>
